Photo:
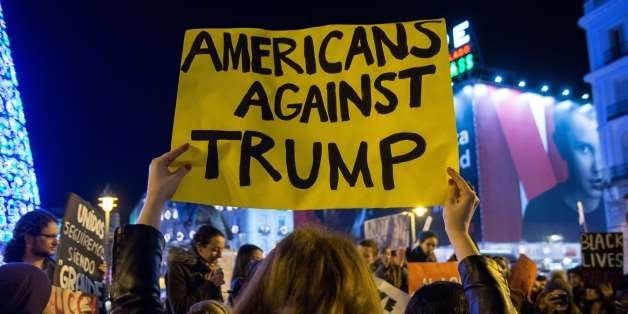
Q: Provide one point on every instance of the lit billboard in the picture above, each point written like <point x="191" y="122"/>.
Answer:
<point x="536" y="160"/>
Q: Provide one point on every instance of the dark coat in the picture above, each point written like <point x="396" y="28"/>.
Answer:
<point x="417" y="255"/>
<point x="484" y="285"/>
<point x="137" y="253"/>
<point x="187" y="281"/>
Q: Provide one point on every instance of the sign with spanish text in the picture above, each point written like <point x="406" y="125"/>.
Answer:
<point x="65" y="301"/>
<point x="81" y="248"/>
<point x="336" y="116"/>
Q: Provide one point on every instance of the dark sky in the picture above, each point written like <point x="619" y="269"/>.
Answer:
<point x="99" y="82"/>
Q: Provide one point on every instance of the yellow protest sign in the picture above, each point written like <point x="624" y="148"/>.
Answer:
<point x="336" y="116"/>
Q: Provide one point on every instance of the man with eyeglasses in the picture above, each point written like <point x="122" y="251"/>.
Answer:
<point x="35" y="240"/>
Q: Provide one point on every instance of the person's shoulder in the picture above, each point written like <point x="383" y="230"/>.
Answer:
<point x="181" y="256"/>
<point x="538" y="205"/>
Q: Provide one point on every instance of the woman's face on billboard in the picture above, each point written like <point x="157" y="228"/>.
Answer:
<point x="584" y="155"/>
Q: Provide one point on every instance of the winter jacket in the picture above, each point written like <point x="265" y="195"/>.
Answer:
<point x="187" y="281"/>
<point x="485" y="287"/>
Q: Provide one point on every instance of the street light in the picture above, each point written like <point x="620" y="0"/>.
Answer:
<point x="413" y="213"/>
<point x="107" y="203"/>
<point x="420" y="211"/>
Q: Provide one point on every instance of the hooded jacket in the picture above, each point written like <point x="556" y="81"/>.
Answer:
<point x="187" y="281"/>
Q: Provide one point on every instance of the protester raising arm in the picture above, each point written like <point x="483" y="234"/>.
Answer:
<point x="485" y="287"/>
<point x="162" y="183"/>
<point x="137" y="249"/>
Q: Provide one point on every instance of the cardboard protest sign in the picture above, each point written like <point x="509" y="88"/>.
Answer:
<point x="394" y="301"/>
<point x="336" y="116"/>
<point x="81" y="248"/>
<point x="420" y="274"/>
<point x="65" y="301"/>
<point x="391" y="231"/>
<point x="602" y="257"/>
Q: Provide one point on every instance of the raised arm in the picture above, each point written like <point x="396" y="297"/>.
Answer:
<point x="485" y="287"/>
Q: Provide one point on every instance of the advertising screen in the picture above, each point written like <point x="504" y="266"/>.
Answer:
<point x="538" y="160"/>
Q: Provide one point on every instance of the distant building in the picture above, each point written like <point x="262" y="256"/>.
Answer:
<point x="606" y="26"/>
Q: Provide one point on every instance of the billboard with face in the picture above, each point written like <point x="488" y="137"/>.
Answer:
<point x="537" y="159"/>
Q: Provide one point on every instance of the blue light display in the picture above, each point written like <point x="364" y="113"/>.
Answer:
<point x="18" y="185"/>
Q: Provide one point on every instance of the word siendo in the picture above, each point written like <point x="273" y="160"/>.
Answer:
<point x="337" y="164"/>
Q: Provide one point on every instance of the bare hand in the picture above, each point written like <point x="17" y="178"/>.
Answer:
<point x="556" y="301"/>
<point x="217" y="277"/>
<point x="460" y="204"/>
<point x="102" y="267"/>
<point x="162" y="183"/>
<point x="607" y="291"/>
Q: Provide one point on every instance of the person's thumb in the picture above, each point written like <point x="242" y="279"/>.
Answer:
<point x="182" y="171"/>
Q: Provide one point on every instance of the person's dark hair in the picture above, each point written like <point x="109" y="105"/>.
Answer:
<point x="424" y="235"/>
<point x="204" y="234"/>
<point x="541" y="278"/>
<point x="370" y="244"/>
<point x="244" y="257"/>
<point x="578" y="270"/>
<point x="24" y="288"/>
<point x="439" y="297"/>
<point x="30" y="224"/>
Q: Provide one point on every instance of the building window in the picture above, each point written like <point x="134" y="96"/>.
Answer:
<point x="618" y="46"/>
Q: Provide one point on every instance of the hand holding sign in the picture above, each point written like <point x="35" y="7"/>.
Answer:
<point x="459" y="206"/>
<point x="162" y="183"/>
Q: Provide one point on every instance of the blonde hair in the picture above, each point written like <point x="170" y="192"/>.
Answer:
<point x="311" y="271"/>
<point x="209" y="307"/>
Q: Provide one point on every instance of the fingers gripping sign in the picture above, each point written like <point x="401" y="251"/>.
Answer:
<point x="162" y="182"/>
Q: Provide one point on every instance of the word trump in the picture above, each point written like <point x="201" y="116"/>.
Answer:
<point x="337" y="164"/>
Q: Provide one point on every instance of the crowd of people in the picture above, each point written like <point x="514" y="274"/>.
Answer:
<point x="310" y="271"/>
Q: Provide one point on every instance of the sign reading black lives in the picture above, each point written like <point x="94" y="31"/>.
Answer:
<point x="602" y="257"/>
<point x="81" y="248"/>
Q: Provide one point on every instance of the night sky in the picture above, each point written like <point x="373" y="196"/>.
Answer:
<point x="99" y="82"/>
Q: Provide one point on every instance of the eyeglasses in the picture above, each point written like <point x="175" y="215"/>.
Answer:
<point x="49" y="236"/>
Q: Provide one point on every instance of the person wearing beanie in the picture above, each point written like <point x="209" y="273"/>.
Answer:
<point x="424" y="252"/>
<point x="24" y="289"/>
